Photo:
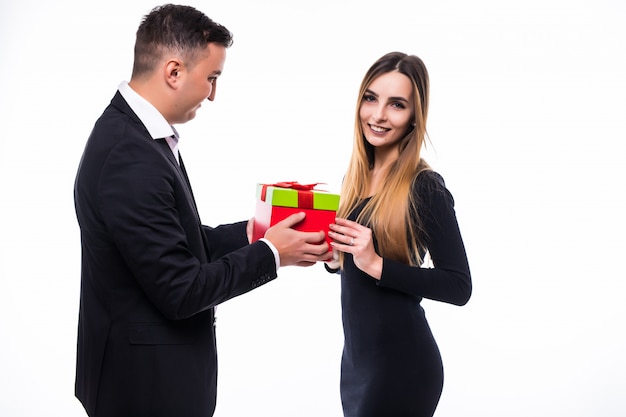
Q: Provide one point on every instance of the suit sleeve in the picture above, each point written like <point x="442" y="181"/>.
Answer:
<point x="449" y="280"/>
<point x="225" y="239"/>
<point x="158" y="234"/>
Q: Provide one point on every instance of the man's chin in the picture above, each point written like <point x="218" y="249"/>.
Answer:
<point x="189" y="116"/>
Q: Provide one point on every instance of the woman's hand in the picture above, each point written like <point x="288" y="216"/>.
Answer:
<point x="333" y="262"/>
<point x="351" y="237"/>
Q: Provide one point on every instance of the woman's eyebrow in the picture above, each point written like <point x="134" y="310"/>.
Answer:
<point x="399" y="98"/>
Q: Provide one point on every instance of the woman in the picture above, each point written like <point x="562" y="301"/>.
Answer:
<point x="395" y="210"/>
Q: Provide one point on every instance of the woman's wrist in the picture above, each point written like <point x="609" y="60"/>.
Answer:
<point x="333" y="267"/>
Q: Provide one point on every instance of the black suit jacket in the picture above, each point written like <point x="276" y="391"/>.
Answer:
<point x="151" y="274"/>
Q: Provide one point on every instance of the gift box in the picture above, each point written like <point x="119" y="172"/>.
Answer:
<point x="276" y="202"/>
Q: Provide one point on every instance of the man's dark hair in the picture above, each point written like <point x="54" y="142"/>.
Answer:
<point x="175" y="28"/>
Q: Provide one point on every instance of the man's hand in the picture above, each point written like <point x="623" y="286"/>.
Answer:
<point x="296" y="247"/>
<point x="250" y="229"/>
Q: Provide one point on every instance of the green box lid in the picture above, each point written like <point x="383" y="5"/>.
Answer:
<point x="291" y="197"/>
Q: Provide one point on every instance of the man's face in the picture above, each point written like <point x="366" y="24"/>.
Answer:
<point x="198" y="83"/>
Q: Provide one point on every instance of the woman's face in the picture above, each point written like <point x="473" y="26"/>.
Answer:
<point x="386" y="110"/>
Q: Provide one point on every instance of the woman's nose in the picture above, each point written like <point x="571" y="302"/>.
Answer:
<point x="379" y="114"/>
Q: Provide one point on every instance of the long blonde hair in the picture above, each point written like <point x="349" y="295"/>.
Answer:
<point x="391" y="212"/>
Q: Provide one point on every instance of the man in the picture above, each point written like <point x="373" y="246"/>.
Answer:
<point x="151" y="273"/>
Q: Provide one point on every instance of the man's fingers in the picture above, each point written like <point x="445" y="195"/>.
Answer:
<point x="292" y="220"/>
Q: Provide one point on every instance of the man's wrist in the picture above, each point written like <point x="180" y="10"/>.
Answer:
<point x="274" y="251"/>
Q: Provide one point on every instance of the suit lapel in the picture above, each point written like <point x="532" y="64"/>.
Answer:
<point x="184" y="172"/>
<point x="180" y="171"/>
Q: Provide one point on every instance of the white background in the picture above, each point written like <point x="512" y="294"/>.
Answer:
<point x="527" y="121"/>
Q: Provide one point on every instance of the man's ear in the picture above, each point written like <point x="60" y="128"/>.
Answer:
<point x="173" y="70"/>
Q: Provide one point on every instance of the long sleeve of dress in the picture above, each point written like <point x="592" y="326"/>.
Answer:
<point x="449" y="280"/>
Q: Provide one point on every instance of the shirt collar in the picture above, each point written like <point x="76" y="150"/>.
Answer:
<point x="154" y="121"/>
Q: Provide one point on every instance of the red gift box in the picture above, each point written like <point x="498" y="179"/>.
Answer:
<point x="276" y="202"/>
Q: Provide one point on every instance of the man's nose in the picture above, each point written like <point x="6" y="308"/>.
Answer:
<point x="211" y="96"/>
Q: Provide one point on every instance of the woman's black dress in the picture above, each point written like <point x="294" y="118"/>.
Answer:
<point x="391" y="364"/>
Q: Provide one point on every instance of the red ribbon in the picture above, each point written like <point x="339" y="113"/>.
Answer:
<point x="305" y="192"/>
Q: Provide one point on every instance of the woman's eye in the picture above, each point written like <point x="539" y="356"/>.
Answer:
<point x="369" y="97"/>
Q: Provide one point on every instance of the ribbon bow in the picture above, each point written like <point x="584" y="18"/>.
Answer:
<point x="305" y="191"/>
<point x="296" y="185"/>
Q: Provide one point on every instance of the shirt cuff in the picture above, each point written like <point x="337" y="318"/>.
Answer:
<point x="274" y="250"/>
